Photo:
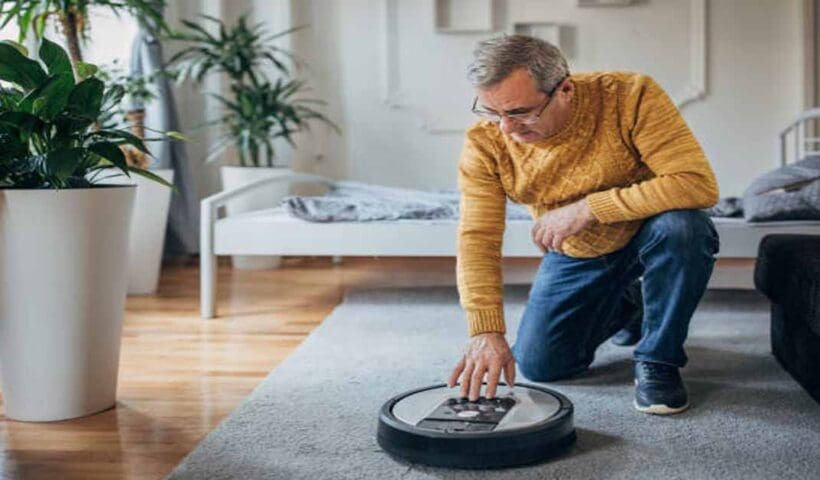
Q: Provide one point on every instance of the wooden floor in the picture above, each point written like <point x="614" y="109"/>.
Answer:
<point x="180" y="375"/>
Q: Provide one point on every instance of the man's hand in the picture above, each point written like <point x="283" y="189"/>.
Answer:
<point x="485" y="353"/>
<point x="550" y="231"/>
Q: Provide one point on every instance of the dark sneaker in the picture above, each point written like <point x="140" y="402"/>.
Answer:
<point x="659" y="389"/>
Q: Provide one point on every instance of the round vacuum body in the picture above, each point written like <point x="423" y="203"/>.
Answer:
<point x="435" y="426"/>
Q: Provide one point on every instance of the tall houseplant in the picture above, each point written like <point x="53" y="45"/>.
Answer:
<point x="150" y="219"/>
<point x="264" y="103"/>
<point x="72" y="17"/>
<point x="63" y="236"/>
<point x="258" y="109"/>
<point x="73" y="20"/>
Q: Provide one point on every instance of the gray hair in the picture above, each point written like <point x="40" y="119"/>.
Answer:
<point x="497" y="57"/>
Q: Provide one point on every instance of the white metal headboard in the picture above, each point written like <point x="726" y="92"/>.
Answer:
<point x="802" y="145"/>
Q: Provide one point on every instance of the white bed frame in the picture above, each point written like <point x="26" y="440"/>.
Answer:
<point x="274" y="232"/>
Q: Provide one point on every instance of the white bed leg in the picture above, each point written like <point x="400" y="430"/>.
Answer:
<point x="207" y="261"/>
<point x="337" y="260"/>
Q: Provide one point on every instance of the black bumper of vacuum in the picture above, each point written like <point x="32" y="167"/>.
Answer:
<point x="479" y="450"/>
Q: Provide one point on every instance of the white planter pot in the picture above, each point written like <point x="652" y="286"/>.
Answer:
<point x="148" y="232"/>
<point x="63" y="257"/>
<point x="269" y="197"/>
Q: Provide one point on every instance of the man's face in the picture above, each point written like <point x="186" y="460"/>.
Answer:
<point x="518" y="94"/>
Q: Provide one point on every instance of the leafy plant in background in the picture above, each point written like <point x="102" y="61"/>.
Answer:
<point x="49" y="131"/>
<point x="139" y="90"/>
<point x="258" y="110"/>
<point x="72" y="17"/>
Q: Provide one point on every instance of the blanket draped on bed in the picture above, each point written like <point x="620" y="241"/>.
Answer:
<point x="359" y="202"/>
<point x="791" y="192"/>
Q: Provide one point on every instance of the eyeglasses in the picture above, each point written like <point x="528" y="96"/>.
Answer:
<point x="527" y="117"/>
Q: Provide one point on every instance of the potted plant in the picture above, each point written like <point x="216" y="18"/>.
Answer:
<point x="152" y="201"/>
<point x="63" y="236"/>
<point x="258" y="111"/>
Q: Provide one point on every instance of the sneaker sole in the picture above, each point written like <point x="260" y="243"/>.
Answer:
<point x="660" y="409"/>
<point x="627" y="343"/>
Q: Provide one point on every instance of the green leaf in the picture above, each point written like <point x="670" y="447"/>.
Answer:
<point x="11" y="14"/>
<point x="20" y="48"/>
<point x="110" y="152"/>
<point x="20" y="121"/>
<point x="151" y="176"/>
<point x="112" y="97"/>
<point x="55" y="58"/>
<point x="69" y="125"/>
<point x="39" y="24"/>
<point x="24" y="21"/>
<point x="18" y="69"/>
<point x="9" y="98"/>
<point x="123" y="137"/>
<point x="50" y="98"/>
<point x="85" y="99"/>
<point x="62" y="163"/>
<point x="176" y="136"/>
<point x="85" y="70"/>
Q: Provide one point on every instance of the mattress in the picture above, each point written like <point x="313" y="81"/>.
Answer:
<point x="275" y="232"/>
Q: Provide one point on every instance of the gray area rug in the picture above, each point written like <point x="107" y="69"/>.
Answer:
<point x="315" y="416"/>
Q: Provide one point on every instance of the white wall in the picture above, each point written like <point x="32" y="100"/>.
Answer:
<point x="399" y="91"/>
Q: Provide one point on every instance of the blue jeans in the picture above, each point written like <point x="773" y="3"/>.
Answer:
<point x="575" y="304"/>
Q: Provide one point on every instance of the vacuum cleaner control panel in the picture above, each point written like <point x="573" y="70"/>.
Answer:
<point x="455" y="415"/>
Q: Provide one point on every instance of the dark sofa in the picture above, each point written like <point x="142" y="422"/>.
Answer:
<point x="788" y="273"/>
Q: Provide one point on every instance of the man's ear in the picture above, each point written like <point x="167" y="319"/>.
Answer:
<point x="568" y="88"/>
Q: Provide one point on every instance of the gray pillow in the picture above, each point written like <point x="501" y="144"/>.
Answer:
<point x="791" y="192"/>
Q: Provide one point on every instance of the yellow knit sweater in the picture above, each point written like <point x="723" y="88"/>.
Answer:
<point x="626" y="149"/>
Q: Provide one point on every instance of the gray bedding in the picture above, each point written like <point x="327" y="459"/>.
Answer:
<point x="791" y="192"/>
<point x="361" y="202"/>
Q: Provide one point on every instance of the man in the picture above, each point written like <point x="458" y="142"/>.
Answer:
<point x="615" y="180"/>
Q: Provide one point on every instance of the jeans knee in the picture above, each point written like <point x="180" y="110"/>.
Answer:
<point x="546" y="368"/>
<point x="685" y="231"/>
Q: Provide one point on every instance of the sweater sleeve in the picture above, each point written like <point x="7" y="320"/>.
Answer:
<point x="480" y="234"/>
<point x="655" y="129"/>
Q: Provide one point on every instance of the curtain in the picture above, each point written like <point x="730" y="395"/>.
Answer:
<point x="182" y="234"/>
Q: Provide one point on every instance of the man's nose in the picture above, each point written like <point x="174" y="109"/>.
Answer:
<point x="507" y="126"/>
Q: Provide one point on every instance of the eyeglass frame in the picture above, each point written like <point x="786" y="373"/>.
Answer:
<point x="497" y="117"/>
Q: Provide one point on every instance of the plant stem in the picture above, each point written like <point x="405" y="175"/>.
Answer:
<point x="70" y="21"/>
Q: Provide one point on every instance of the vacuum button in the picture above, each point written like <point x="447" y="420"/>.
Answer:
<point x="467" y="414"/>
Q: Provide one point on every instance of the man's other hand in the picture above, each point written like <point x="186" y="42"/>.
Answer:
<point x="555" y="226"/>
<point x="486" y="353"/>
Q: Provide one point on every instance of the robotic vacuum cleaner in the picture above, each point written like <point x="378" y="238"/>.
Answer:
<point x="436" y="426"/>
